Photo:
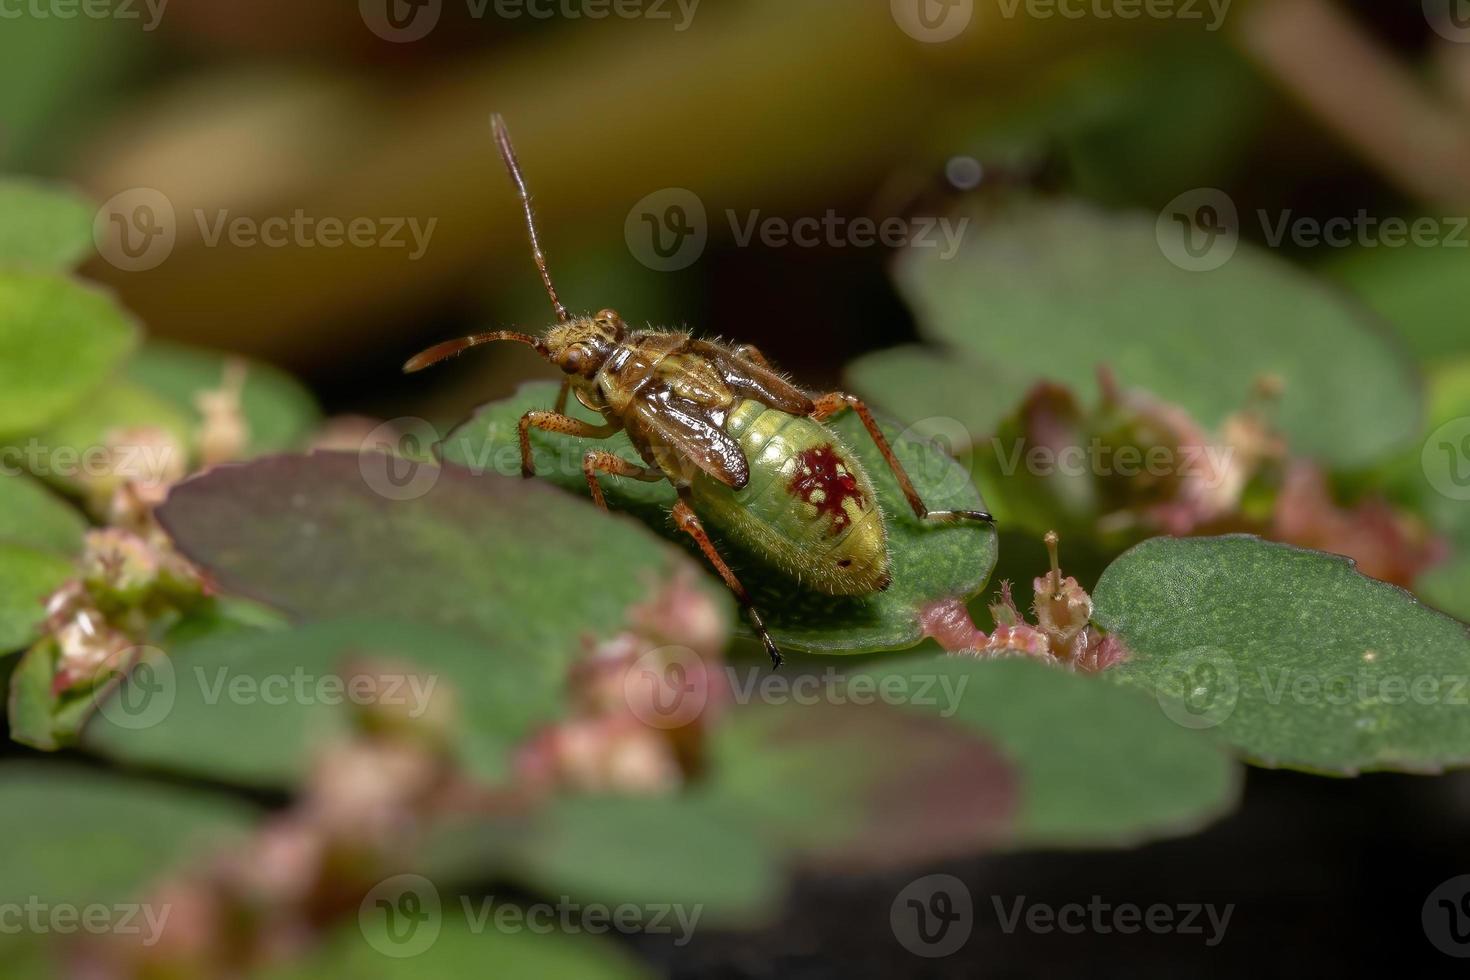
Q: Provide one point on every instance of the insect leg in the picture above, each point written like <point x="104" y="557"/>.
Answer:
<point x="560" y="407"/>
<point x="556" y="422"/>
<point x="832" y="403"/>
<point x="597" y="461"/>
<point x="751" y="352"/>
<point x="688" y="522"/>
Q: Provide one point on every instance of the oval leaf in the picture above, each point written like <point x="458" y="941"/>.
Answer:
<point x="45" y="226"/>
<point x="516" y="565"/>
<point x="929" y="561"/>
<point x="32" y="516"/>
<point x="854" y="786"/>
<point x="27" y="579"/>
<point x="1053" y="289"/>
<point x="1290" y="655"/>
<point x="58" y="341"/>
<point x="77" y="836"/>
<point x="252" y="706"/>
<point x="278" y="411"/>
<point x="1094" y="765"/>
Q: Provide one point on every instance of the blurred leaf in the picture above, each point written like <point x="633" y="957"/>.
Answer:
<point x="1428" y="478"/>
<point x="56" y="72"/>
<point x="45" y="226"/>
<point x="32" y="516"/>
<point x="1422" y="291"/>
<point x="644" y="850"/>
<point x="76" y="446"/>
<point x="937" y="389"/>
<point x="1096" y="765"/>
<point x="459" y="948"/>
<point x="525" y="569"/>
<point x="929" y="561"/>
<point x="253" y="706"/>
<point x="854" y="786"/>
<point x="58" y="340"/>
<point x="74" y="835"/>
<point x="27" y="579"/>
<point x="280" y="412"/>
<point x="1290" y="655"/>
<point x="1054" y="289"/>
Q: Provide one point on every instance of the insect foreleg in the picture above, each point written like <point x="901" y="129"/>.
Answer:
<point x="556" y="422"/>
<point x="598" y="461"/>
<point x="688" y="522"/>
<point x="833" y="402"/>
<point x="560" y="407"/>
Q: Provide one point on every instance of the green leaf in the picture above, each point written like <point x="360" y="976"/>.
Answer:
<point x="77" y="835"/>
<point x="58" y="341"/>
<point x="45" y="226"/>
<point x="27" y="579"/>
<point x="77" y="448"/>
<point x="1096" y="765"/>
<point x="1290" y="655"/>
<point x="849" y="785"/>
<point x="32" y="516"/>
<point x="1052" y="290"/>
<point x="525" y="569"/>
<point x="1421" y="290"/>
<point x="644" y="850"/>
<point x="254" y="706"/>
<point x="455" y="946"/>
<point x="280" y="413"/>
<point x="930" y="561"/>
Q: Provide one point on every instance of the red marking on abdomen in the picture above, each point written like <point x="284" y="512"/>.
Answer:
<point x="824" y="480"/>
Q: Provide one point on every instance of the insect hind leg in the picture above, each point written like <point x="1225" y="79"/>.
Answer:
<point x="831" y="403"/>
<point x="688" y="522"/>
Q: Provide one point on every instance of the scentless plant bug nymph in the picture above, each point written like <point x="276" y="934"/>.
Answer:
<point x="746" y="450"/>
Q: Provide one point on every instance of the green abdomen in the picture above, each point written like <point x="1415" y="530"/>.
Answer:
<point x="809" y="508"/>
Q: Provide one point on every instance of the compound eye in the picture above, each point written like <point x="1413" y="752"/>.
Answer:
<point x="574" y="361"/>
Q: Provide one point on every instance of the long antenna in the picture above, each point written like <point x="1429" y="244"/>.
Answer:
<point x="508" y="154"/>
